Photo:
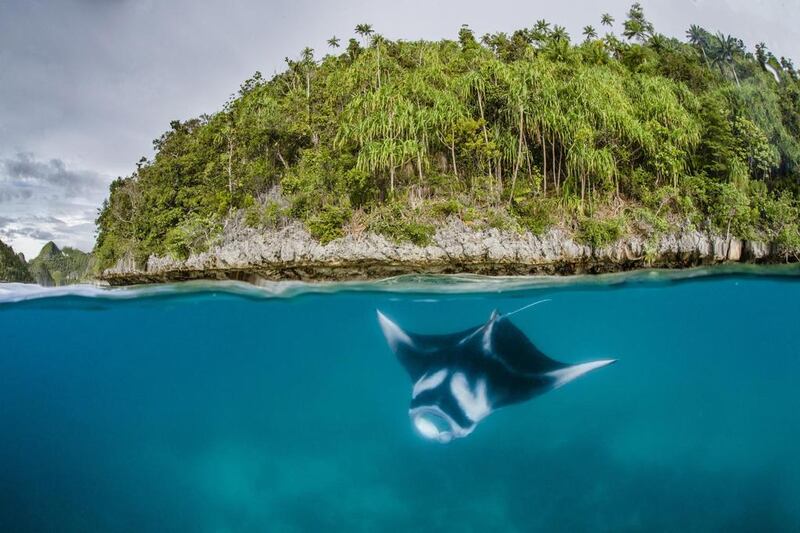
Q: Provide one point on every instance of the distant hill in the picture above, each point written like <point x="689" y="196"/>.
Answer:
<point x="54" y="266"/>
<point x="12" y="266"/>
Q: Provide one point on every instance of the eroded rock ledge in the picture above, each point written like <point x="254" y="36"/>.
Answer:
<point x="291" y="253"/>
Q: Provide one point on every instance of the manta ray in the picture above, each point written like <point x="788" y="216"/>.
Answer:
<point x="461" y="378"/>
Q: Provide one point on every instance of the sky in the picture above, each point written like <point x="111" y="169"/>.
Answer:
<point x="86" y="85"/>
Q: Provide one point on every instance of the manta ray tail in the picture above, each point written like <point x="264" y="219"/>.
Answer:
<point x="523" y="308"/>
<point x="562" y="376"/>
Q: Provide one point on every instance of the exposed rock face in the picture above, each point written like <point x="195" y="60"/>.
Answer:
<point x="291" y="253"/>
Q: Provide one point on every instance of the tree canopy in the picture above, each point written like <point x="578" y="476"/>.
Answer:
<point x="12" y="266"/>
<point x="520" y="130"/>
<point x="56" y="266"/>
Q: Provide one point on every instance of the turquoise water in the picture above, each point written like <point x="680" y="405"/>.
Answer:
<point x="224" y="408"/>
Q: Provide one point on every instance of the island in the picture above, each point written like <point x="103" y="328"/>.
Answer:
<point x="520" y="153"/>
<point x="53" y="267"/>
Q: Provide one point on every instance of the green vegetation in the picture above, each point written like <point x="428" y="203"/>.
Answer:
<point x="52" y="267"/>
<point x="12" y="266"/>
<point x="55" y="267"/>
<point x="516" y="131"/>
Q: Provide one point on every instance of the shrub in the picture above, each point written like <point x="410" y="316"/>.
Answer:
<point x="327" y="225"/>
<point x="194" y="235"/>
<point x="418" y="233"/>
<point x="731" y="211"/>
<point x="782" y="217"/>
<point x="597" y="233"/>
<point x="650" y="220"/>
<point x="252" y="216"/>
<point x="268" y="215"/>
<point x="400" y="224"/>
<point x="535" y="215"/>
<point x="501" y="219"/>
<point x="445" y="208"/>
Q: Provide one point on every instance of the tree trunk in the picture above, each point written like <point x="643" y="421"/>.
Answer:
<point x="483" y="124"/>
<point x="583" y="188"/>
<point x="553" y="162"/>
<point x="453" y="157"/>
<point x="519" y="155"/>
<point x="483" y="118"/>
<point x="543" y="142"/>
<point x="500" y="176"/>
<point x="230" y="164"/>
<point x="530" y="167"/>
<point x="378" y="48"/>
<point x="283" y="161"/>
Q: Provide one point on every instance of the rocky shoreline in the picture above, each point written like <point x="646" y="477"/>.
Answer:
<point x="247" y="254"/>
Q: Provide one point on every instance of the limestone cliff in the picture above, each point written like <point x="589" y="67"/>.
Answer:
<point x="291" y="253"/>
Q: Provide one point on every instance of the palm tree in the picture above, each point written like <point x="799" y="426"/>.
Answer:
<point x="364" y="30"/>
<point x="226" y="135"/>
<point x="727" y="47"/>
<point x="788" y="66"/>
<point x="637" y="26"/>
<point x="634" y="29"/>
<point x="377" y="41"/>
<point x="589" y="32"/>
<point x="559" y="34"/>
<point x="540" y="31"/>
<point x="761" y="54"/>
<point x="658" y="42"/>
<point x="699" y="38"/>
<point x="334" y="42"/>
<point x="308" y="63"/>
<point x="607" y="20"/>
<point x="542" y="26"/>
<point x="353" y="48"/>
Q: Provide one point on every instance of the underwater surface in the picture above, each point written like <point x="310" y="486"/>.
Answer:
<point x="224" y="407"/>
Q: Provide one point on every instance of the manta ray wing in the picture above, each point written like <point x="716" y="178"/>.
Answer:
<point x="506" y="343"/>
<point x="420" y="353"/>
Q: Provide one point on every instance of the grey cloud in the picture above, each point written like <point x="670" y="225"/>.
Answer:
<point x="33" y="233"/>
<point x="14" y="194"/>
<point x="46" y="219"/>
<point x="101" y="3"/>
<point x="47" y="199"/>
<point x="30" y="219"/>
<point x="21" y="172"/>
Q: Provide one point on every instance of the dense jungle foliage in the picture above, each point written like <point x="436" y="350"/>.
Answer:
<point x="12" y="266"/>
<point x="56" y="266"/>
<point x="604" y="135"/>
<point x="52" y="267"/>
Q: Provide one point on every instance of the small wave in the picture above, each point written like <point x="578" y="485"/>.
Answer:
<point x="419" y="284"/>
